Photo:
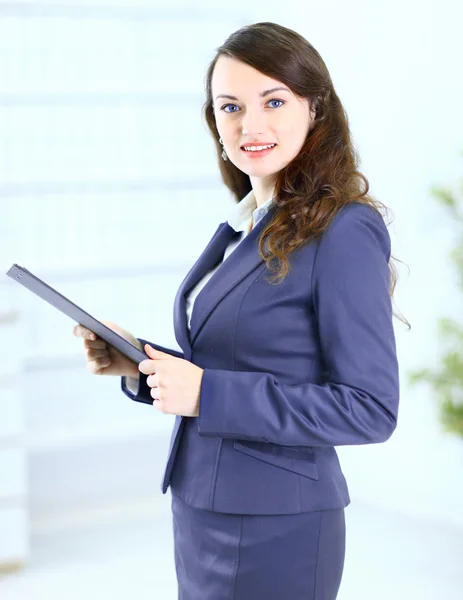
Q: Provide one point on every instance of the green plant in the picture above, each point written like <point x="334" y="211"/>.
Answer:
<point x="447" y="380"/>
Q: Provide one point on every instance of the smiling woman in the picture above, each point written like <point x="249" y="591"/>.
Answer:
<point x="281" y="374"/>
<point x="265" y="128"/>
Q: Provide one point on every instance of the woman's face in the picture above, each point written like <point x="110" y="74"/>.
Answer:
<point x="244" y="117"/>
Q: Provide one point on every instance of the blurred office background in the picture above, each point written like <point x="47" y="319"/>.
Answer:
<point x="109" y="190"/>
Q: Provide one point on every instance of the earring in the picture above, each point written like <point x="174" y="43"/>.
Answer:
<point x="224" y="154"/>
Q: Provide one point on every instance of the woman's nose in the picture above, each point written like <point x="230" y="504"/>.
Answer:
<point x="253" y="123"/>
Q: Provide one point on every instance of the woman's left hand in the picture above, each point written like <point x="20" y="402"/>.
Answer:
<point x="175" y="383"/>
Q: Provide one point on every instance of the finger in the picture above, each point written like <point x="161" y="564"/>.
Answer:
<point x="80" y="331"/>
<point x="95" y="344"/>
<point x="155" y="393"/>
<point x="152" y="381"/>
<point x="95" y="366"/>
<point x="148" y="366"/>
<point x="76" y="331"/>
<point x="156" y="354"/>
<point x="93" y="354"/>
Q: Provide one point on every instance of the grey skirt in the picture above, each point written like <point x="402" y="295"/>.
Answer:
<point x="220" y="556"/>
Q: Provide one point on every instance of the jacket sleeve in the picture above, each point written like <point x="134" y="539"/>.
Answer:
<point x="127" y="383"/>
<point x="359" y="402"/>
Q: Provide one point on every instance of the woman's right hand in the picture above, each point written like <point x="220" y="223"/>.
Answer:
<point x="103" y="359"/>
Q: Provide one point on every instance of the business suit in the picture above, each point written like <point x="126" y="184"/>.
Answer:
<point x="290" y="371"/>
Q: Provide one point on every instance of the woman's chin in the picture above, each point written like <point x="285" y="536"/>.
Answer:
<point x="258" y="170"/>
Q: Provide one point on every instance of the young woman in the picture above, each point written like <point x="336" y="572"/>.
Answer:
<point x="276" y="371"/>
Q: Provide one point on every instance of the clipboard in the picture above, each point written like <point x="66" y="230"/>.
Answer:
<point x="77" y="314"/>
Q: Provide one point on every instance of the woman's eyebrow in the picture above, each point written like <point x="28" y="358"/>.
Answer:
<point x="262" y="94"/>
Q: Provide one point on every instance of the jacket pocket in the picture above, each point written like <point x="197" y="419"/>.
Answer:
<point x="295" y="459"/>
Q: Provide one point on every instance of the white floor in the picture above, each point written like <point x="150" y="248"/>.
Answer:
<point x="128" y="553"/>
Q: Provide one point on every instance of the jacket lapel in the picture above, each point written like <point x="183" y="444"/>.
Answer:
<point x="244" y="259"/>
<point x="211" y="255"/>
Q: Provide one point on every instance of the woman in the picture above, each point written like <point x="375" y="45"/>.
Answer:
<point x="275" y="371"/>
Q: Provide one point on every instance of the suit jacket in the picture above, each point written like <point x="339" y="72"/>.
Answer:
<point x="291" y="370"/>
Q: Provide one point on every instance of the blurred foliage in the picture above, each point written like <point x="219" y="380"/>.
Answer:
<point x="447" y="380"/>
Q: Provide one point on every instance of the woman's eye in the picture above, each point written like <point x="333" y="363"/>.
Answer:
<point x="224" y="108"/>
<point x="277" y="101"/>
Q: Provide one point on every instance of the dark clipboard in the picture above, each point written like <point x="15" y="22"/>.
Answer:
<point x="63" y="304"/>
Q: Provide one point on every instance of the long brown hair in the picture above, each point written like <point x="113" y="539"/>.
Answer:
<point x="324" y="176"/>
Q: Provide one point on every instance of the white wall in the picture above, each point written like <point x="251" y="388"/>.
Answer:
<point x="85" y="132"/>
<point x="14" y="516"/>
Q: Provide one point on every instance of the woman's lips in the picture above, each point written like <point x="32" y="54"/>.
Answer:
<point x="258" y="153"/>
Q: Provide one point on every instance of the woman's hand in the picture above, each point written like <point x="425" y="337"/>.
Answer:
<point x="176" y="383"/>
<point x="103" y="359"/>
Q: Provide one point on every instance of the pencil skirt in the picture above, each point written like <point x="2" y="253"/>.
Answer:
<point x="221" y="556"/>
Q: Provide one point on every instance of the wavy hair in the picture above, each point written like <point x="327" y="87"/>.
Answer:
<point x="324" y="176"/>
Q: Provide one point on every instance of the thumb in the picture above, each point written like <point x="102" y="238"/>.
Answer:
<point x="153" y="353"/>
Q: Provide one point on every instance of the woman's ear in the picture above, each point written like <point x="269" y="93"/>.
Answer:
<point x="312" y="115"/>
